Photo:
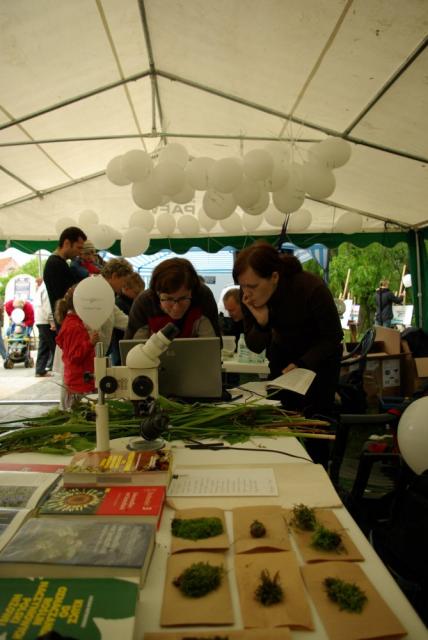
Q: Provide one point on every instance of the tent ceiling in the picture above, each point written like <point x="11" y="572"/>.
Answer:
<point x="77" y="91"/>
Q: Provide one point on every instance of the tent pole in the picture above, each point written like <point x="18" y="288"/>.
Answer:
<point x="419" y="280"/>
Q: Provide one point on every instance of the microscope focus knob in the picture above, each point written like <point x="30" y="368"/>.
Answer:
<point x="142" y="386"/>
<point x="108" y="384"/>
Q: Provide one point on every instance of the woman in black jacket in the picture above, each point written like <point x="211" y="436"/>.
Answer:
<point x="384" y="300"/>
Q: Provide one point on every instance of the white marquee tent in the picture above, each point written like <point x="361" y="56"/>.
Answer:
<point x="88" y="80"/>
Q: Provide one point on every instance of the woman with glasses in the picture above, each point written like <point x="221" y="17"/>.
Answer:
<point x="176" y="294"/>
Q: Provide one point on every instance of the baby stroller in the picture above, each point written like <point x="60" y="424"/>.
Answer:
<point x="18" y="347"/>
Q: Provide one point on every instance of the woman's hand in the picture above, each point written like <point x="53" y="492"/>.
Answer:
<point x="261" y="314"/>
<point x="94" y="337"/>
<point x="290" y="367"/>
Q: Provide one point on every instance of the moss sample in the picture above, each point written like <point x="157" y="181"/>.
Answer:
<point x="269" y="591"/>
<point x="348" y="595"/>
<point x="196" y="528"/>
<point x="257" y="529"/>
<point x="304" y="518"/>
<point x="199" y="579"/>
<point x="324" y="539"/>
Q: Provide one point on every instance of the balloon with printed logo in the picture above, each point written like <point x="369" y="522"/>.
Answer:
<point x="217" y="205"/>
<point x="135" y="241"/>
<point x="165" y="223"/>
<point x="143" y="219"/>
<point x="136" y="165"/>
<point x="93" y="301"/>
<point x="115" y="173"/>
<point x="258" y="164"/>
<point x="226" y="175"/>
<point x="169" y="177"/>
<point x="174" y="152"/>
<point x="197" y="172"/>
<point x="188" y="225"/>
<point x="147" y="194"/>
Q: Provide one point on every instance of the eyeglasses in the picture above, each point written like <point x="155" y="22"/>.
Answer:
<point x="172" y="301"/>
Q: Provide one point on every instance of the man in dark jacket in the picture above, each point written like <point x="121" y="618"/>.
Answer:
<point x="384" y="300"/>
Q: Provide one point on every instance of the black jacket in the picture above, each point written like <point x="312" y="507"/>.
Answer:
<point x="384" y="300"/>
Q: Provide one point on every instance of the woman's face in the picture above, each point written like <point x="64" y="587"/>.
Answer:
<point x="256" y="291"/>
<point x="176" y="304"/>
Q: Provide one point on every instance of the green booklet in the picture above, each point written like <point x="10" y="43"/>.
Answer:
<point x="83" y="609"/>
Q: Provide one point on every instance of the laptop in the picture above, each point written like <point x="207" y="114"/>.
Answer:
<point x="190" y="368"/>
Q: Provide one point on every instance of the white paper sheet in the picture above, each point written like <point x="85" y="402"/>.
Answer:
<point x="223" y="482"/>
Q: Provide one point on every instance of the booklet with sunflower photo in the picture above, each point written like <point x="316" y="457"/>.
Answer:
<point x="125" y="503"/>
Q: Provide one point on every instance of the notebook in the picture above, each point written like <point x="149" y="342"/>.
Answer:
<point x="190" y="368"/>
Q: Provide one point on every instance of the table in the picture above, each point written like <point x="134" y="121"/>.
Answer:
<point x="149" y="607"/>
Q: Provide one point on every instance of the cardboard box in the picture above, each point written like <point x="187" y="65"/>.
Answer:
<point x="415" y="371"/>
<point x="382" y="373"/>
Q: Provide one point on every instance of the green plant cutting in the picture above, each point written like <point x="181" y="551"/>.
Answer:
<point x="196" y="528"/>
<point x="61" y="432"/>
<point x="199" y="579"/>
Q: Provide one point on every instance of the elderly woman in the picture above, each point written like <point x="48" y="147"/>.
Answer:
<point x="176" y="294"/>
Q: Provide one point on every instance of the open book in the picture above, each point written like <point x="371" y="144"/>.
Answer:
<point x="298" y="380"/>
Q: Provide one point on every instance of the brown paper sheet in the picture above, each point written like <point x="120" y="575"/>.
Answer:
<point x="375" y="621"/>
<point x="276" y="538"/>
<point x="293" y="611"/>
<point x="297" y="483"/>
<point x="244" y="634"/>
<point x="216" y="543"/>
<point x="213" y="609"/>
<point x="326" y="517"/>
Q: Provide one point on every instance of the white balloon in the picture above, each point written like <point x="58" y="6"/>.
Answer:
<point x="64" y="223"/>
<point x="147" y="194"/>
<point x="169" y="177"/>
<point x="217" y="205"/>
<point x="251" y="223"/>
<point x="279" y="151"/>
<point x="287" y="200"/>
<point x="93" y="300"/>
<point x="143" y="219"/>
<point x="258" y="164"/>
<point x="318" y="180"/>
<point x="278" y="179"/>
<point x="299" y="221"/>
<point x="188" y="225"/>
<point x="174" y="152"/>
<point x="331" y="152"/>
<point x="232" y="224"/>
<point x="136" y="165"/>
<point x="349" y="223"/>
<point x="274" y="217"/>
<point x="17" y="315"/>
<point x="197" y="172"/>
<point x="102" y="235"/>
<point x="165" y="223"/>
<point x="260" y="206"/>
<point x="248" y="193"/>
<point x="226" y="175"/>
<point x="88" y="217"/>
<point x="206" y="222"/>
<point x="115" y="174"/>
<point x="186" y="194"/>
<point x="134" y="242"/>
<point x="412" y="435"/>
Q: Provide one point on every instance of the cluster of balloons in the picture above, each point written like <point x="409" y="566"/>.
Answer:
<point x="264" y="184"/>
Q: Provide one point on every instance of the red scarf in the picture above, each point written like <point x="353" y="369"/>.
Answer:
<point x="156" y="323"/>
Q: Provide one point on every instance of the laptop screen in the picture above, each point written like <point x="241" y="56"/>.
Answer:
<point x="189" y="368"/>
